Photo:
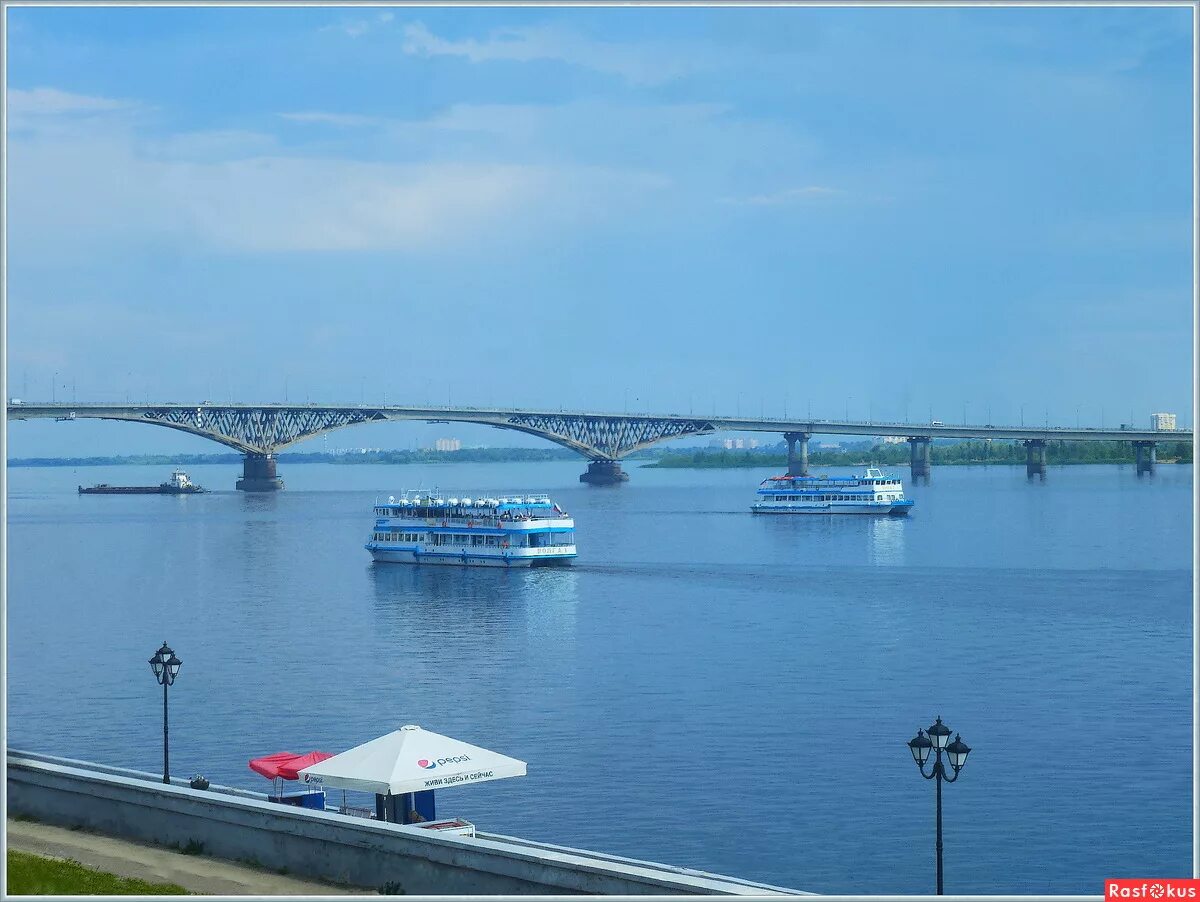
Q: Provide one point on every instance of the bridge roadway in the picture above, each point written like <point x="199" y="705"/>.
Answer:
<point x="260" y="431"/>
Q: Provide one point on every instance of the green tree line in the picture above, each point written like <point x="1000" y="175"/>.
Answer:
<point x="961" y="453"/>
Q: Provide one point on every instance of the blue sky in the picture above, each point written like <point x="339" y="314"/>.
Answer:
<point x="894" y="213"/>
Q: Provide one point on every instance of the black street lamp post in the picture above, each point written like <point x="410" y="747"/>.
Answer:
<point x="166" y="667"/>
<point x="956" y="751"/>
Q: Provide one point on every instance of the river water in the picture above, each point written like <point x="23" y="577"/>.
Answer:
<point x="703" y="687"/>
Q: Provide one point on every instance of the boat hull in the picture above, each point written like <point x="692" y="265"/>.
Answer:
<point x="897" y="509"/>
<point x="139" y="490"/>
<point x="384" y="555"/>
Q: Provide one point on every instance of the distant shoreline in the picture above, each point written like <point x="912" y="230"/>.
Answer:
<point x="967" y="453"/>
<point x="874" y="463"/>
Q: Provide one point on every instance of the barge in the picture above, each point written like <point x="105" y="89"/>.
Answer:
<point x="178" y="484"/>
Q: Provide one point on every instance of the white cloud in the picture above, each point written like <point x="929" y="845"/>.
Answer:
<point x="48" y="110"/>
<point x="211" y="145"/>
<point x="290" y="204"/>
<point x="637" y="64"/>
<point x="339" y="119"/>
<point x="53" y="102"/>
<point x="356" y="28"/>
<point x="82" y="189"/>
<point x="786" y="197"/>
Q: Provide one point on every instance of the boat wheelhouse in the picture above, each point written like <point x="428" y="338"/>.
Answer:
<point x="503" y="531"/>
<point x="870" y="493"/>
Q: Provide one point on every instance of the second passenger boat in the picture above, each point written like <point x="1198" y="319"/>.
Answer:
<point x="871" y="493"/>
<point x="423" y="528"/>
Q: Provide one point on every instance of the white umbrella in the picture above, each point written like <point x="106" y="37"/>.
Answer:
<point x="411" y="759"/>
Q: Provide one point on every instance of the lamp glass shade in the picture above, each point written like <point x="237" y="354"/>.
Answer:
<point x="157" y="666"/>
<point x="939" y="733"/>
<point x="164" y="653"/>
<point x="173" y="665"/>
<point x="920" y="746"/>
<point x="958" y="751"/>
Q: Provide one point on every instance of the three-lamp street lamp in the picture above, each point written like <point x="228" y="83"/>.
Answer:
<point x="166" y="667"/>
<point x="937" y="738"/>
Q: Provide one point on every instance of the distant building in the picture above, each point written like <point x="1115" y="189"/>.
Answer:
<point x="730" y="443"/>
<point x="1162" y="422"/>
<point x="829" y="446"/>
<point x="894" y="440"/>
<point x="753" y="443"/>
<point x="447" y="444"/>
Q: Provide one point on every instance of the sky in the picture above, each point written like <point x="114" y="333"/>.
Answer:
<point x="979" y="214"/>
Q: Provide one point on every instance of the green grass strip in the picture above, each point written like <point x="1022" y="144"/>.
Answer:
<point x="37" y="876"/>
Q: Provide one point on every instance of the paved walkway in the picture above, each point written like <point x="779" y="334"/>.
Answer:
<point x="195" y="873"/>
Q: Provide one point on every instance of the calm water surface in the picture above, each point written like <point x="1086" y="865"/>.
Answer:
<point x="704" y="687"/>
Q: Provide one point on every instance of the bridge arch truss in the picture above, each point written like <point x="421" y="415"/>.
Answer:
<point x="268" y="429"/>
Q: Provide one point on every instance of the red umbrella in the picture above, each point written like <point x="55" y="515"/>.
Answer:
<point x="288" y="770"/>
<point x="268" y="765"/>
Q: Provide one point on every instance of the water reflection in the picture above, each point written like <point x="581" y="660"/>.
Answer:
<point x="260" y="557"/>
<point x="822" y="538"/>
<point x="460" y="601"/>
<point x="887" y="541"/>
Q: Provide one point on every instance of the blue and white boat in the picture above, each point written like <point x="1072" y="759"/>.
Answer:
<point x="506" y="531"/>
<point x="871" y="493"/>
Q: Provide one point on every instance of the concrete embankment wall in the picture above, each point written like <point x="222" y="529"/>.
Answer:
<point x="240" y="825"/>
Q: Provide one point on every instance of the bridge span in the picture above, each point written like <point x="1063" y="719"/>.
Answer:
<point x="260" y="431"/>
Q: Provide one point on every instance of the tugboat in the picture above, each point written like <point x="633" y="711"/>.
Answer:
<point x="178" y="484"/>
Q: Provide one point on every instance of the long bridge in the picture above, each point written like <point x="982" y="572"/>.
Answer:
<point x="260" y="431"/>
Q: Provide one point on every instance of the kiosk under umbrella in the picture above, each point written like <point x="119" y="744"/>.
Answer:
<point x="406" y="767"/>
<point x="283" y="766"/>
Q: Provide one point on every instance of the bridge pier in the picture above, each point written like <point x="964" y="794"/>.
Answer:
<point x="797" y="466"/>
<point x="604" y="472"/>
<point x="1035" y="458"/>
<point x="1146" y="456"/>
<point x="920" y="457"/>
<point x="258" y="474"/>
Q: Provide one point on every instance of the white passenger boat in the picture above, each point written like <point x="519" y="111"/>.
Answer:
<point x="871" y="493"/>
<point x="506" y="531"/>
